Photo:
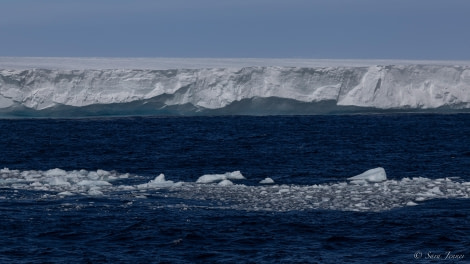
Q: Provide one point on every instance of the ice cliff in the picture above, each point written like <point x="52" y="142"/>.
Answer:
<point x="240" y="90"/>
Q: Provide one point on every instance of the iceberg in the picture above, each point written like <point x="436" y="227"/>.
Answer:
<point x="260" y="89"/>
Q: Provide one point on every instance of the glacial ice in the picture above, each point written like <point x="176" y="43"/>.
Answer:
<point x="375" y="193"/>
<point x="243" y="89"/>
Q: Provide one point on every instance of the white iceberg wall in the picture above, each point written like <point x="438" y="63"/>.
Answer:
<point x="40" y="89"/>
<point x="383" y="87"/>
<point x="411" y="86"/>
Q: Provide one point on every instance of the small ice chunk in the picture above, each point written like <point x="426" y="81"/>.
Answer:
<point x="58" y="181"/>
<point x="158" y="182"/>
<point x="410" y="203"/>
<point x="236" y="175"/>
<point x="126" y="187"/>
<point x="211" y="178"/>
<point x="55" y="172"/>
<point x="436" y="190"/>
<point x="225" y="183"/>
<point x="93" y="175"/>
<point x="372" y="175"/>
<point x="178" y="184"/>
<point x="267" y="181"/>
<point x="124" y="176"/>
<point x="35" y="184"/>
<point x="95" y="191"/>
<point x="102" y="173"/>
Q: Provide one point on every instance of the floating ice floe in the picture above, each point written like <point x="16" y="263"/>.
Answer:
<point x="158" y="182"/>
<point x="225" y="183"/>
<point x="66" y="183"/>
<point x="211" y="178"/>
<point x="267" y="181"/>
<point x="370" y="176"/>
<point x="369" y="191"/>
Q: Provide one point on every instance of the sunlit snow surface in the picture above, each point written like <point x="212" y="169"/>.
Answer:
<point x="165" y="86"/>
<point x="373" y="193"/>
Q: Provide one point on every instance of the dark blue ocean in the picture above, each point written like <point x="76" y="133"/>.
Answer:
<point x="120" y="222"/>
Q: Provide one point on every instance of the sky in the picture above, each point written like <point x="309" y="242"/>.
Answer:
<point x="316" y="29"/>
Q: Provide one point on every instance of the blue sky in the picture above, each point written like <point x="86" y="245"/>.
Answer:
<point x="338" y="29"/>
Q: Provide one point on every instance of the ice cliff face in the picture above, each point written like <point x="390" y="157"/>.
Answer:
<point x="372" y="87"/>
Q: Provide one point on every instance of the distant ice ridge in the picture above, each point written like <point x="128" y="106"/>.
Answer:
<point x="369" y="191"/>
<point x="234" y="90"/>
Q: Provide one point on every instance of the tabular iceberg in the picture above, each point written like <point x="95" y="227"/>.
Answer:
<point x="234" y="90"/>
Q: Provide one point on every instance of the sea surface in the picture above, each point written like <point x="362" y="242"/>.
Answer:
<point x="85" y="190"/>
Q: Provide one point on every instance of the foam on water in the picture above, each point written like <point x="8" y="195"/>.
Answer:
<point x="369" y="191"/>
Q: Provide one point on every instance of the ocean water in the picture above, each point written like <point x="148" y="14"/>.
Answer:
<point x="105" y="204"/>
